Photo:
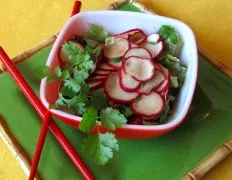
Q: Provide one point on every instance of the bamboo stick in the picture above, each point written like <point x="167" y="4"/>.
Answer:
<point x="15" y="148"/>
<point x="210" y="162"/>
<point x="27" y="54"/>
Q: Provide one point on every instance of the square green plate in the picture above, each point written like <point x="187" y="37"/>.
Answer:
<point x="170" y="156"/>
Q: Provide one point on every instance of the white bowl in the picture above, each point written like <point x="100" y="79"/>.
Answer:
<point x="117" y="22"/>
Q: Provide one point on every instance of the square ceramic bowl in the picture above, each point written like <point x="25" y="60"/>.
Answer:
<point x="117" y="22"/>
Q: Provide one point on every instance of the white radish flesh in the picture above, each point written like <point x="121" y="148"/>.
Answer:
<point x="115" y="92"/>
<point x="140" y="68"/>
<point x="105" y="66"/>
<point x="153" y="38"/>
<point x="148" y="105"/>
<point x="154" y="49"/>
<point x="115" y="47"/>
<point x="153" y="83"/>
<point x="139" y="52"/>
<point x="127" y="82"/>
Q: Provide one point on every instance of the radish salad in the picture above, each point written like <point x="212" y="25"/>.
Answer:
<point x="126" y="78"/>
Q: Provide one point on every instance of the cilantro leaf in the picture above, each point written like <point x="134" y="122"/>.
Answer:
<point x="126" y="110"/>
<point x="97" y="33"/>
<point x="43" y="72"/>
<point x="112" y="118"/>
<point x="172" y="40"/>
<point x="168" y="32"/>
<point x="115" y="60"/>
<point x="71" y="49"/>
<point x="166" y="111"/>
<point x="174" y="82"/>
<point x="98" y="99"/>
<point x="100" y="147"/>
<point x="89" y="120"/>
<point x="72" y="85"/>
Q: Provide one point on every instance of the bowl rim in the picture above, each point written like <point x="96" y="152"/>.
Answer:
<point x="191" y="87"/>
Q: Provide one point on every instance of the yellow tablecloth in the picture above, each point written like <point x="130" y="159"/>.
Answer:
<point x="24" y="23"/>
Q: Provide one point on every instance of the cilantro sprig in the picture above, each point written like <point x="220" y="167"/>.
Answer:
<point x="75" y="95"/>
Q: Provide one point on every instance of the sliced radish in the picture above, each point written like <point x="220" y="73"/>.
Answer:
<point x="105" y="66"/>
<point x="154" y="49"/>
<point x="114" y="104"/>
<point x="153" y="38"/>
<point x="127" y="33"/>
<point x="137" y="37"/>
<point x="134" y="45"/>
<point x="153" y="83"/>
<point x="102" y="72"/>
<point x="165" y="71"/>
<point x="96" y="63"/>
<point x="148" y="105"/>
<point x="97" y="78"/>
<point x="115" y="47"/>
<point x="115" y="92"/>
<point x="127" y="82"/>
<point x="139" y="52"/>
<point x="149" y="118"/>
<point x="163" y="86"/>
<point x="136" y="120"/>
<point x="140" y="68"/>
<point x="95" y="85"/>
<point x="64" y="56"/>
<point x="115" y="63"/>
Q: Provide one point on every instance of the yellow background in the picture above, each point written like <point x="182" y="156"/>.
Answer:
<point x="25" y="23"/>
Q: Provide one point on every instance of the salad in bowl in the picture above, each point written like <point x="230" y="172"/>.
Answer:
<point x="134" y="78"/>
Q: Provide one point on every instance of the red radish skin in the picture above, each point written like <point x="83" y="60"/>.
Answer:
<point x="114" y="104"/>
<point x="114" y="91"/>
<point x="95" y="85"/>
<point x="153" y="83"/>
<point x="151" y="118"/>
<point x="112" y="64"/>
<point x="127" y="82"/>
<point x="105" y="66"/>
<point x="164" y="87"/>
<point x="135" y="120"/>
<point x="96" y="63"/>
<point x="154" y="38"/>
<point x="64" y="57"/>
<point x="134" y="45"/>
<point x="148" y="105"/>
<point x="94" y="79"/>
<point x="127" y="33"/>
<point x="141" y="69"/>
<point x="102" y="72"/>
<point x="154" y="49"/>
<point x="116" y="47"/>
<point x="138" y="37"/>
<point x="138" y="52"/>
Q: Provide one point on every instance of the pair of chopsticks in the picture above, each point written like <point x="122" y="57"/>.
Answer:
<point x="45" y="115"/>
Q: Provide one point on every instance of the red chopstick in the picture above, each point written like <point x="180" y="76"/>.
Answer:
<point x="42" y="112"/>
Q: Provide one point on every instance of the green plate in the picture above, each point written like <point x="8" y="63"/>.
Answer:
<point x="170" y="156"/>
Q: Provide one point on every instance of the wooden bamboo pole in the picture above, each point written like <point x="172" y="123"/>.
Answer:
<point x="27" y="54"/>
<point x="15" y="148"/>
<point x="210" y="162"/>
